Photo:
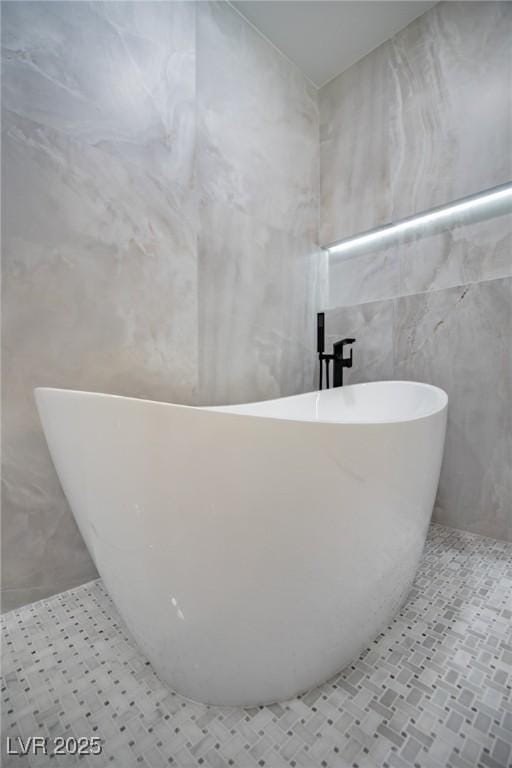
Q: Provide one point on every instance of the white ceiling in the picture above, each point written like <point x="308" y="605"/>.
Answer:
<point x="324" y="37"/>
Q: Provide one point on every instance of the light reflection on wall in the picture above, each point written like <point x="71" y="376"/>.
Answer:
<point x="486" y="205"/>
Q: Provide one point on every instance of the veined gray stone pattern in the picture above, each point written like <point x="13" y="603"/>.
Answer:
<point x="258" y="126"/>
<point x="261" y="275"/>
<point x="431" y="691"/>
<point x="259" y="290"/>
<point x="459" y="339"/>
<point x="423" y="120"/>
<point x="99" y="288"/>
<point x="450" y="106"/>
<point x="470" y="251"/>
<point x="354" y="163"/>
<point x="115" y="164"/>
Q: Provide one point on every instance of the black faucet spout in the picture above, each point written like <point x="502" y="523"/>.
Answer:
<point x="340" y="361"/>
<point x="338" y="348"/>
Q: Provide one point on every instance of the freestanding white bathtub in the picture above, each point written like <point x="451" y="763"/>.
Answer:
<point x="252" y="550"/>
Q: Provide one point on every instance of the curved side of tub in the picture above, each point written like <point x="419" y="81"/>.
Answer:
<point x="250" y="557"/>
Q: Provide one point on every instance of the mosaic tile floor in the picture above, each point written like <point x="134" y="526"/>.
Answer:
<point x="434" y="689"/>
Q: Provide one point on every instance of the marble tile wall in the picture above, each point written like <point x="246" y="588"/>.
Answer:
<point x="459" y="339"/>
<point x="468" y="251"/>
<point x="258" y="297"/>
<point x="355" y="174"/>
<point x="450" y="115"/>
<point x="159" y="234"/>
<point x="99" y="232"/>
<point x="261" y="275"/>
<point x="425" y="119"/>
<point x="422" y="120"/>
<point x="160" y="223"/>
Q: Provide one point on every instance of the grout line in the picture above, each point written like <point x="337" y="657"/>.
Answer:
<point x="469" y="284"/>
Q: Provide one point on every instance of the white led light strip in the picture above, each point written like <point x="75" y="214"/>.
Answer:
<point x="438" y="214"/>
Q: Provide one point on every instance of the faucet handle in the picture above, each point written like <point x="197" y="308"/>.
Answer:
<point x="338" y="347"/>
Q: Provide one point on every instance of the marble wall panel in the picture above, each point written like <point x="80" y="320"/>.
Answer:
<point x="460" y="340"/>
<point x="261" y="275"/>
<point x="99" y="236"/>
<point x="468" y="251"/>
<point x="257" y="123"/>
<point x="464" y="253"/>
<point x="355" y="171"/>
<point x="422" y="120"/>
<point x="118" y="76"/>
<point x="259" y="291"/>
<point x="368" y="276"/>
<point x="457" y="338"/>
<point x="104" y="171"/>
<point x="450" y="105"/>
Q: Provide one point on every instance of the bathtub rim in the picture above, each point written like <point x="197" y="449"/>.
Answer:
<point x="440" y="393"/>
